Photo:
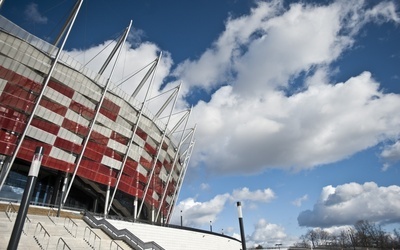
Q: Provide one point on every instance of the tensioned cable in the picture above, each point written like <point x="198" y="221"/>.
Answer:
<point x="174" y="114"/>
<point x="84" y="51"/>
<point x="154" y="97"/>
<point x="59" y="20"/>
<point x="133" y="74"/>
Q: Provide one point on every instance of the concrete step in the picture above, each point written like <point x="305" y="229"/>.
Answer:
<point x="50" y="230"/>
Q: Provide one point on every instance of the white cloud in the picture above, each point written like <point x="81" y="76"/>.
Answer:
<point x="348" y="203"/>
<point x="266" y="234"/>
<point x="197" y="214"/>
<point x="245" y="194"/>
<point x="300" y="200"/>
<point x="252" y="123"/>
<point x="204" y="186"/>
<point x="391" y="154"/>
<point x="32" y="14"/>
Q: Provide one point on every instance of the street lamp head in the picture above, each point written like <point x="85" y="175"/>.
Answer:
<point x="239" y="208"/>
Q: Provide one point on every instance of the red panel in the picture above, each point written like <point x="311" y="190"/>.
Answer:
<point x="145" y="163"/>
<point x="141" y="134"/>
<point x="61" y="88"/>
<point x="18" y="91"/>
<point x="167" y="165"/>
<point x="109" y="105"/>
<point x="119" y="138"/>
<point x="46" y="126"/>
<point x="11" y="124"/>
<point x="15" y="78"/>
<point x="113" y="154"/>
<point x="6" y="148"/>
<point x="67" y="145"/>
<point x="54" y="163"/>
<point x="164" y="146"/>
<point x="28" y="147"/>
<point x="53" y="106"/>
<point x="84" y="111"/>
<point x="21" y="102"/>
<point x="3" y="72"/>
<point x="150" y="149"/>
<point x="131" y="163"/>
<point x="111" y="115"/>
<point x="75" y="127"/>
<point x="92" y="154"/>
<point x="99" y="138"/>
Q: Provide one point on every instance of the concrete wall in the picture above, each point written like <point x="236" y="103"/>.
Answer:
<point x="178" y="239"/>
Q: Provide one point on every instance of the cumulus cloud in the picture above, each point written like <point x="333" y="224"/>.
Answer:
<point x="32" y="14"/>
<point x="266" y="234"/>
<point x="256" y="120"/>
<point x="348" y="203"/>
<point x="390" y="154"/>
<point x="197" y="214"/>
<point x="260" y="115"/>
<point x="300" y="200"/>
<point x="265" y="195"/>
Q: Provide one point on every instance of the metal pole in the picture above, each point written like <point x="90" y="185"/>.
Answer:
<point x="181" y="219"/>
<point x="26" y="198"/>
<point x="240" y="215"/>
<point x="39" y="98"/>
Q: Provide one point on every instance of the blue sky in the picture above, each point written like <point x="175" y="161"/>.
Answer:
<point x="296" y="103"/>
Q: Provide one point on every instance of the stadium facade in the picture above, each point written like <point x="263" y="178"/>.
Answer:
<point x="104" y="151"/>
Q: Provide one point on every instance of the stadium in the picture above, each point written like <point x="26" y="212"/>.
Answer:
<point x="104" y="150"/>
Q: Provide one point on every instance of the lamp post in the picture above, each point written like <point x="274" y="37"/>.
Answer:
<point x="181" y="219"/>
<point x="240" y="215"/>
<point x="26" y="198"/>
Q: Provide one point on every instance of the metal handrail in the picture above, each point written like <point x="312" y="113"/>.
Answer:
<point x="64" y="244"/>
<point x="52" y="213"/>
<point x="70" y="225"/>
<point x="92" y="238"/>
<point x="120" y="234"/>
<point x="45" y="235"/>
<point x="11" y="211"/>
<point x="117" y="245"/>
<point x="26" y="225"/>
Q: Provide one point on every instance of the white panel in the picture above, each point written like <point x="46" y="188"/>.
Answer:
<point x="163" y="174"/>
<point x="108" y="161"/>
<point x="62" y="155"/>
<point x="116" y="146"/>
<point x="178" y="166"/>
<point x="68" y="135"/>
<point x="2" y="85"/>
<point x="138" y="140"/>
<point x="83" y="100"/>
<point x="102" y="130"/>
<point x="142" y="170"/>
<point x="106" y="121"/>
<point x="171" y="151"/>
<point x="49" y="115"/>
<point x="155" y="195"/>
<point x="151" y="142"/>
<point x="135" y="152"/>
<point x="76" y="118"/>
<point x="146" y="155"/>
<point x="57" y="97"/>
<point x="175" y="176"/>
<point x="41" y="135"/>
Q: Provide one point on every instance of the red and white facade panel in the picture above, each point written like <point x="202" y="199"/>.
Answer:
<point x="61" y="124"/>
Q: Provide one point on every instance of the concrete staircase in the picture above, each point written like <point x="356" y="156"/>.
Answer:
<point x="51" y="232"/>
